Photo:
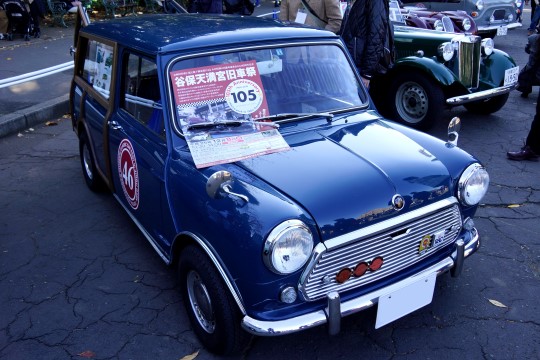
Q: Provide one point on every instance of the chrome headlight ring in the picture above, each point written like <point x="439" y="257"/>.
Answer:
<point x="446" y="51"/>
<point x="487" y="46"/>
<point x="466" y="24"/>
<point x="480" y="5"/>
<point x="438" y="25"/>
<point x="288" y="247"/>
<point x="473" y="184"/>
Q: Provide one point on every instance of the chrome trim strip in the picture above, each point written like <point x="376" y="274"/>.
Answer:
<point x="235" y="294"/>
<point x="199" y="241"/>
<point x="463" y="99"/>
<point x="146" y="234"/>
<point x="385" y="225"/>
<point x="316" y="318"/>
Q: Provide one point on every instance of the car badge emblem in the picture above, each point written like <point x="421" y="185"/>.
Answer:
<point x="398" y="202"/>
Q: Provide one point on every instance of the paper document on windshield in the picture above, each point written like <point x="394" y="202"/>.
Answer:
<point x="226" y="100"/>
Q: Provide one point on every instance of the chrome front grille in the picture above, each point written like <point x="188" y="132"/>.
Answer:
<point x="469" y="53"/>
<point x="398" y="244"/>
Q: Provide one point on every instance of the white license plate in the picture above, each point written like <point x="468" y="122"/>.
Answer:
<point x="502" y="30"/>
<point x="511" y="75"/>
<point x="405" y="300"/>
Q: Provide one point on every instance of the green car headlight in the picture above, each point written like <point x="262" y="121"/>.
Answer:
<point x="288" y="247"/>
<point x="487" y="46"/>
<point x="473" y="184"/>
<point x="446" y="51"/>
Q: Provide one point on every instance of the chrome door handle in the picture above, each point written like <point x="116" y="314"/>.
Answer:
<point x="115" y="125"/>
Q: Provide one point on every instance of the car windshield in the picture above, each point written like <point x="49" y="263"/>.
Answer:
<point x="273" y="84"/>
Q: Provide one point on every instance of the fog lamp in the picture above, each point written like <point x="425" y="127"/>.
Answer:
<point x="288" y="295"/>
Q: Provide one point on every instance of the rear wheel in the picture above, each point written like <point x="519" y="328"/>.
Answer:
<point x="417" y="101"/>
<point x="91" y="177"/>
<point x="487" y="106"/>
<point x="213" y="313"/>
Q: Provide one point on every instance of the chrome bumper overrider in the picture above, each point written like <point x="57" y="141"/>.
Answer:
<point x="481" y="95"/>
<point x="336" y="309"/>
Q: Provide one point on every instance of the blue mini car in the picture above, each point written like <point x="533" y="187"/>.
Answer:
<point x="253" y="160"/>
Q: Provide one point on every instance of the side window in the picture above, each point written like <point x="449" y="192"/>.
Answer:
<point x="97" y="69"/>
<point x="141" y="93"/>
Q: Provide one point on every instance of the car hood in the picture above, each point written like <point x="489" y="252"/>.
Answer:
<point x="347" y="176"/>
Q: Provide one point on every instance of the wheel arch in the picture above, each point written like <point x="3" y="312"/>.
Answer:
<point x="427" y="67"/>
<point x="185" y="239"/>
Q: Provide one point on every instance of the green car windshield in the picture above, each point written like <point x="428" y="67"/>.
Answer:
<point x="263" y="84"/>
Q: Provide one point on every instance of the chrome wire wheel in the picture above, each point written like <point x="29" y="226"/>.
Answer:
<point x="200" y="302"/>
<point x="412" y="102"/>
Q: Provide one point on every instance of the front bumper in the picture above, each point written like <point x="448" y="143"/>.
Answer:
<point x="489" y="28"/>
<point x="481" y="95"/>
<point x="336" y="310"/>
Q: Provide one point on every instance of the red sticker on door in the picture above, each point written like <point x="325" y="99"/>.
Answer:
<point x="129" y="175"/>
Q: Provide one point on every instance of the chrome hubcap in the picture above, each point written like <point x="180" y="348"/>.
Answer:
<point x="87" y="162"/>
<point x="200" y="302"/>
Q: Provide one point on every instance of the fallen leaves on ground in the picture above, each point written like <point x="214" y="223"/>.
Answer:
<point x="497" y="303"/>
<point x="191" y="356"/>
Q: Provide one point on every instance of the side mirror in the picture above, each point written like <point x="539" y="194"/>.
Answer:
<point x="453" y="131"/>
<point x="222" y="180"/>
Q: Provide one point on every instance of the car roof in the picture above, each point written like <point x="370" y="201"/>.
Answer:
<point x="162" y="33"/>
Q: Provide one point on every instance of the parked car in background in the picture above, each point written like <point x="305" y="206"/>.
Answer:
<point x="435" y="70"/>
<point x="450" y="21"/>
<point x="492" y="17"/>
<point x="252" y="159"/>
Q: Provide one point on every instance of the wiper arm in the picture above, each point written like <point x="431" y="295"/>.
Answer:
<point x="231" y="123"/>
<point x="293" y="116"/>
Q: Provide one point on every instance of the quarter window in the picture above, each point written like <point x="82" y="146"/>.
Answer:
<point x="98" y="67"/>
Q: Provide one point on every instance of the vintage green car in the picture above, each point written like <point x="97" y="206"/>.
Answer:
<point x="435" y="70"/>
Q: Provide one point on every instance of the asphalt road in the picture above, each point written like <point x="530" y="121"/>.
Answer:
<point x="77" y="279"/>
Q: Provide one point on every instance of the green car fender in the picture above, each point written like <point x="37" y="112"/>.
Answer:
<point x="427" y="66"/>
<point x="493" y="67"/>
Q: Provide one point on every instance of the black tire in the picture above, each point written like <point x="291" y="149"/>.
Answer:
<point x="91" y="176"/>
<point x="417" y="101"/>
<point x="487" y="106"/>
<point x="213" y="313"/>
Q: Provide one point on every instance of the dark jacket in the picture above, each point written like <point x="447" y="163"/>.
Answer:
<point x="366" y="31"/>
<point x="206" y="6"/>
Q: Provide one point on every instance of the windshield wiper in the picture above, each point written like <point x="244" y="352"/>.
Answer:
<point x="231" y="123"/>
<point x="285" y="117"/>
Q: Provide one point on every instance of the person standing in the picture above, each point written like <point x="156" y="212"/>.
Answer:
<point x="369" y="36"/>
<point x="531" y="149"/>
<point x="535" y="18"/>
<point x="206" y="6"/>
<point x="322" y="14"/>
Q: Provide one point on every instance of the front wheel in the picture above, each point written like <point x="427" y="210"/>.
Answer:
<point x="487" y="106"/>
<point x="417" y="100"/>
<point x="213" y="313"/>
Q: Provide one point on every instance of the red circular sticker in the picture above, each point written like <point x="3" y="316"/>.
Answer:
<point x="129" y="175"/>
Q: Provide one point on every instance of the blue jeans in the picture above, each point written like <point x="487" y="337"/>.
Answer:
<point x="535" y="17"/>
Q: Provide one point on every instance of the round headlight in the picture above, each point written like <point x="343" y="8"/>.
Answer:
<point x="487" y="46"/>
<point x="473" y="184"/>
<point x="288" y="247"/>
<point x="438" y="25"/>
<point x="446" y="51"/>
<point x="480" y="5"/>
<point x="466" y="24"/>
<point x="510" y="18"/>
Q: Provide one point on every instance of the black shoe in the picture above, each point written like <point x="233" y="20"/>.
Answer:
<point x="524" y="154"/>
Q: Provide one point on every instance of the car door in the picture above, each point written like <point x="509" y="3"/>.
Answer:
<point x="91" y="96"/>
<point x="138" y="148"/>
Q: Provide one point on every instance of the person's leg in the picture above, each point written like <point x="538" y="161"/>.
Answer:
<point x="531" y="150"/>
<point x="535" y="17"/>
<point x="533" y="139"/>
